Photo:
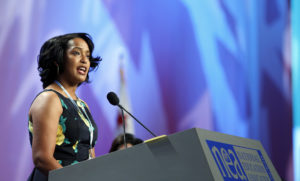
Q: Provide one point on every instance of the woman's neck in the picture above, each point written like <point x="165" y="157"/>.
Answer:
<point x="70" y="88"/>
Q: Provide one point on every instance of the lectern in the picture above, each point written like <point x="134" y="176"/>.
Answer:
<point x="191" y="155"/>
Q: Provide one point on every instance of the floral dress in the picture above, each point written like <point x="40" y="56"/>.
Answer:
<point x="73" y="135"/>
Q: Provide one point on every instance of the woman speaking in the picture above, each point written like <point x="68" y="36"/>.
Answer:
<point x="61" y="128"/>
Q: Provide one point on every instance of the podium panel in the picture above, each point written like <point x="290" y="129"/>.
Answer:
<point x="192" y="155"/>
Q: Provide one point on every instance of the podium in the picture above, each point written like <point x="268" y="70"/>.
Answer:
<point x="191" y="155"/>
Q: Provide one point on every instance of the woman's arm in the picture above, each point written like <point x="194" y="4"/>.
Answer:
<point x="44" y="114"/>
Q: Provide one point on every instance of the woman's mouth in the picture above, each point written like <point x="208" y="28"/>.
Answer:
<point x="82" y="70"/>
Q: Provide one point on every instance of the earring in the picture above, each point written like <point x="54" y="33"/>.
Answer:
<point x="57" y="69"/>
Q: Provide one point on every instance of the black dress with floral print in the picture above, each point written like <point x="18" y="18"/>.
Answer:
<point x="73" y="135"/>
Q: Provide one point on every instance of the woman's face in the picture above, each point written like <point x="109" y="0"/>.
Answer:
<point x="77" y="61"/>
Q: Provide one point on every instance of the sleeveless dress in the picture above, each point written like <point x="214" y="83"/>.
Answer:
<point x="73" y="135"/>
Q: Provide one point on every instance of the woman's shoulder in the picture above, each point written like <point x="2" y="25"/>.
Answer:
<point x="46" y="99"/>
<point x="47" y="95"/>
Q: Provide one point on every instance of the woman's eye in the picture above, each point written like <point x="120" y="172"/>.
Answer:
<point x="76" y="53"/>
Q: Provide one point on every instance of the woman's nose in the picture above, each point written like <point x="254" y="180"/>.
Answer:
<point x="84" y="59"/>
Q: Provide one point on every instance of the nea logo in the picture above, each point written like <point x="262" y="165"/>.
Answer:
<point x="227" y="161"/>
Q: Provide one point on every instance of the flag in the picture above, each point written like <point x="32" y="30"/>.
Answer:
<point x="124" y="101"/>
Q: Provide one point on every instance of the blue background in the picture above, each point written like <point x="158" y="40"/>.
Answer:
<point x="222" y="65"/>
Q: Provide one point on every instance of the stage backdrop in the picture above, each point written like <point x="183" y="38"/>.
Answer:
<point x="296" y="84"/>
<point x="221" y="65"/>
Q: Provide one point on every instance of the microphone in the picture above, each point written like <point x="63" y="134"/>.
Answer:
<point x="114" y="100"/>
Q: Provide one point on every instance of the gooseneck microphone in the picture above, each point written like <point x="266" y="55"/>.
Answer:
<point x="114" y="100"/>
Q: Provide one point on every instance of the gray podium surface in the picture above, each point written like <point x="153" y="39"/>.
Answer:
<point x="191" y="155"/>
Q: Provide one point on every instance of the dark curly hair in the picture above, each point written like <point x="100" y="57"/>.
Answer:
<point x="52" y="54"/>
<point x="119" y="141"/>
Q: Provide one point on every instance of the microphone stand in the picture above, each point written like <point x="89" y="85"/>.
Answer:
<point x="122" y="108"/>
<point x="123" y="121"/>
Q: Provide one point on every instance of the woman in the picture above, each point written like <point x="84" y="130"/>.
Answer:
<point x="61" y="128"/>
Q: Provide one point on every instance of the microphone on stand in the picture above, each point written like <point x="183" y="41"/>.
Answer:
<point x="114" y="100"/>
